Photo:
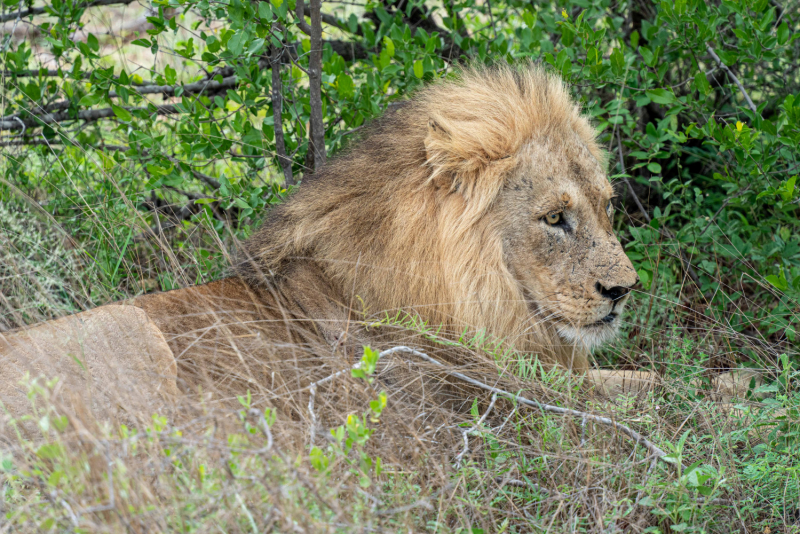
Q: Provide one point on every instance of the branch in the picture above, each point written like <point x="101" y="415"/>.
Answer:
<point x="277" y="114"/>
<point x="655" y="451"/>
<point x="724" y="67"/>
<point x="331" y="21"/>
<point x="41" y="10"/>
<point x="166" y="90"/>
<point x="300" y="12"/>
<point x="59" y="142"/>
<point x="55" y="73"/>
<point x="315" y="157"/>
<point x="85" y="115"/>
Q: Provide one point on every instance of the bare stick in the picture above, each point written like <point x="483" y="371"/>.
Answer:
<point x="730" y="73"/>
<point x="469" y="431"/>
<point x="628" y="183"/>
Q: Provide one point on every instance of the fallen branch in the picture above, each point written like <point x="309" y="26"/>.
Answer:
<point x="210" y="86"/>
<point x="656" y="452"/>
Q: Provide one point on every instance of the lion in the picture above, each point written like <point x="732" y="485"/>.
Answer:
<point x="481" y="204"/>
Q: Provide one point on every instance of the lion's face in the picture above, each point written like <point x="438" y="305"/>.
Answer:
<point x="559" y="244"/>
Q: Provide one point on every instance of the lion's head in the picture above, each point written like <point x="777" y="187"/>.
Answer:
<point x="481" y="202"/>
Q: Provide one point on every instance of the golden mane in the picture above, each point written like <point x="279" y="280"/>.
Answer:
<point x="398" y="220"/>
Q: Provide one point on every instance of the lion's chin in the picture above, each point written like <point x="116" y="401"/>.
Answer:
<point x="589" y="336"/>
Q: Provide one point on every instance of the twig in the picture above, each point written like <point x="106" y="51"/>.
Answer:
<point x="628" y="183"/>
<point x="313" y="387"/>
<point x="730" y="73"/>
<point x="727" y="200"/>
<point x="474" y="427"/>
<point x="522" y="484"/>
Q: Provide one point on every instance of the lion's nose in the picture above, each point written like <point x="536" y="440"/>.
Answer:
<point x="614" y="293"/>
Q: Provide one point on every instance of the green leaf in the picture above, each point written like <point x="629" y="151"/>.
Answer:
<point x="388" y="46"/>
<point x="701" y="83"/>
<point x="345" y="85"/>
<point x="170" y="74"/>
<point x="654" y="167"/>
<point x="783" y="33"/>
<point x="567" y="35"/>
<point x="661" y="96"/>
<point x="265" y="12"/>
<point x="419" y="69"/>
<point x="778" y="282"/>
<point x="618" y="61"/>
<point x="91" y="40"/>
<point x="122" y="113"/>
<point x="90" y="100"/>
<point x="142" y="42"/>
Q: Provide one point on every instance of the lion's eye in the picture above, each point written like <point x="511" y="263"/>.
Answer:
<point x="610" y="209"/>
<point x="553" y="218"/>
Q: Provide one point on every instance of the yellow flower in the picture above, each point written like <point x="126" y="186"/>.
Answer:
<point x="739" y="126"/>
<point x="564" y="13"/>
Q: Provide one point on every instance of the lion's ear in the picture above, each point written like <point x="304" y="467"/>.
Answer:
<point x="438" y="148"/>
<point x="437" y="142"/>
<point x="466" y="158"/>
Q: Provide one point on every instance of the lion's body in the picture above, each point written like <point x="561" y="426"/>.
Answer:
<point x="439" y="212"/>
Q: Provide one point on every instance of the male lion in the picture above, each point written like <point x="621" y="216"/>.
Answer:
<point x="482" y="204"/>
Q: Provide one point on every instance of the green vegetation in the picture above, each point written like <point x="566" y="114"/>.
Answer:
<point x="140" y="145"/>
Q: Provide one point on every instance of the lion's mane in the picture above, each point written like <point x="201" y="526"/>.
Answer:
<point x="398" y="220"/>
